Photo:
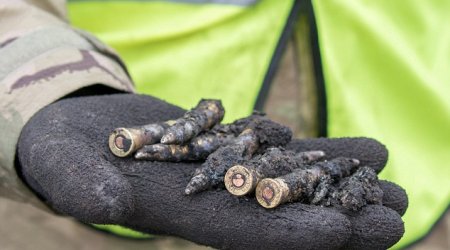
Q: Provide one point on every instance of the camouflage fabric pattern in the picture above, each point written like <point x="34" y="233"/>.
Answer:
<point x="43" y="59"/>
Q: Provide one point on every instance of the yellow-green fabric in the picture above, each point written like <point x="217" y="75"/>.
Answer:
<point x="386" y="68"/>
<point x="123" y="231"/>
<point x="184" y="52"/>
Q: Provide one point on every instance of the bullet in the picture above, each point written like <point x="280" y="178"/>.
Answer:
<point x="125" y="141"/>
<point x="301" y="183"/>
<point x="272" y="192"/>
<point x="243" y="179"/>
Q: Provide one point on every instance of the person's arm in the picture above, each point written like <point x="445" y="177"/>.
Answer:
<point x="42" y="59"/>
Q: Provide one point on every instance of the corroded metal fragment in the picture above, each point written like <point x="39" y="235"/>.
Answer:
<point x="301" y="183"/>
<point x="242" y="179"/>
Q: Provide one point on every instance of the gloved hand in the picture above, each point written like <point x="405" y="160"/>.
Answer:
<point x="64" y="157"/>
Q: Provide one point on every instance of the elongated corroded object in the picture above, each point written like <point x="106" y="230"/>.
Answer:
<point x="125" y="141"/>
<point x="301" y="183"/>
<point x="205" y="115"/>
<point x="243" y="179"/>
<point x="211" y="172"/>
<point x="198" y="148"/>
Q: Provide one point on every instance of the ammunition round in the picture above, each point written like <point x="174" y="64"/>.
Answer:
<point x="123" y="141"/>
<point x="241" y="180"/>
<point x="271" y="192"/>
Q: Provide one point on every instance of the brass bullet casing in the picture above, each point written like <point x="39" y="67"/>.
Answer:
<point x="124" y="141"/>
<point x="301" y="182"/>
<point x="287" y="188"/>
<point x="272" y="192"/>
<point x="241" y="180"/>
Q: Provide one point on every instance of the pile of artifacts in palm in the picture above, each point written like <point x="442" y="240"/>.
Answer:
<point x="248" y="158"/>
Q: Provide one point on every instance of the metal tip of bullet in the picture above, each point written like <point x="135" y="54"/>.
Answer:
<point x="190" y="189"/>
<point x="197" y="184"/>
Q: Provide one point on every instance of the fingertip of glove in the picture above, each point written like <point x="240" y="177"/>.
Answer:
<point x="369" y="151"/>
<point x="309" y="227"/>
<point x="375" y="227"/>
<point x="394" y="196"/>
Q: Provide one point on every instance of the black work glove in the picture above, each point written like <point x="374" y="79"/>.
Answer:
<point x="64" y="157"/>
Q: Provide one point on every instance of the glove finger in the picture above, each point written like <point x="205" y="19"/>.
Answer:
<point x="368" y="151"/>
<point x="394" y="196"/>
<point x="375" y="227"/>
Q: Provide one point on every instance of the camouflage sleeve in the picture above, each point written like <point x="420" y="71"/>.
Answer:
<point x="43" y="59"/>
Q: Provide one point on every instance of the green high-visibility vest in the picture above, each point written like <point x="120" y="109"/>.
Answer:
<point x="384" y="66"/>
<point x="182" y="51"/>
